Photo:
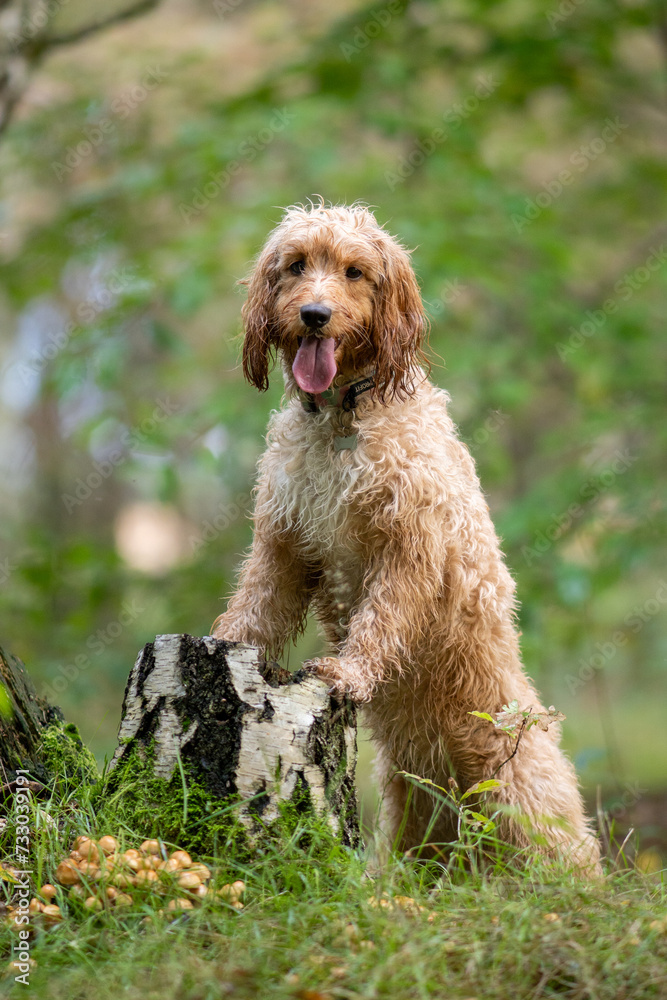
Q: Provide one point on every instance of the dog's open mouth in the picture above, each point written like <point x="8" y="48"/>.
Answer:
<point x="314" y="366"/>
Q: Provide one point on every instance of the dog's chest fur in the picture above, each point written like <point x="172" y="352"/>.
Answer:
<point x="314" y="488"/>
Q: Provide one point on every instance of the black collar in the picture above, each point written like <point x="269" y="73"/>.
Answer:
<point x="344" y="396"/>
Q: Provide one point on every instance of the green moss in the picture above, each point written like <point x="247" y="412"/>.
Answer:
<point x="179" y="809"/>
<point x="66" y="757"/>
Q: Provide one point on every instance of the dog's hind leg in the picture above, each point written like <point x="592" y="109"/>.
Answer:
<point x="411" y="818"/>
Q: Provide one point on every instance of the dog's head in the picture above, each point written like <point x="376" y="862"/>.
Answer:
<point x="334" y="294"/>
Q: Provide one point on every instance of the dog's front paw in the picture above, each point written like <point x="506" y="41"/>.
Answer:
<point x="344" y="678"/>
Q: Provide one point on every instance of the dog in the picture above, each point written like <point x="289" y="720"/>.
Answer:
<point x="369" y="512"/>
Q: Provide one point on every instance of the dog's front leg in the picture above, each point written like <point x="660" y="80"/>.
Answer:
<point x="386" y="627"/>
<point x="270" y="605"/>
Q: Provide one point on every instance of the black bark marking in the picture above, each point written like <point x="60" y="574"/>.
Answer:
<point x="267" y="712"/>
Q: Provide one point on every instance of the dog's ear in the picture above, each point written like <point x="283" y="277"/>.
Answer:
<point x="399" y="323"/>
<point x="259" y="319"/>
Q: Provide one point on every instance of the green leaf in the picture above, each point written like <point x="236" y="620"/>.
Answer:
<point x="483" y="715"/>
<point x="487" y="824"/>
<point x="483" y="786"/>
<point x="422" y="781"/>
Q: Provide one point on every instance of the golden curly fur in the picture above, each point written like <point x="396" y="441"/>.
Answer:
<point x="389" y="543"/>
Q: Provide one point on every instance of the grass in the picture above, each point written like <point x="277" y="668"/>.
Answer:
<point x="322" y="921"/>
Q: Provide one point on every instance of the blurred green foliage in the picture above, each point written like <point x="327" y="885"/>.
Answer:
<point x="518" y="147"/>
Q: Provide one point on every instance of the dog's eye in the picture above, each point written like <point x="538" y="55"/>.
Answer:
<point x="353" y="273"/>
<point x="298" y="267"/>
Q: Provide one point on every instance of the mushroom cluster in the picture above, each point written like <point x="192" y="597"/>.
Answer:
<point x="41" y="905"/>
<point x="100" y="875"/>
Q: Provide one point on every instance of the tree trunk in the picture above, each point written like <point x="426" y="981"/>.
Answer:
<point x="22" y="727"/>
<point x="205" y="714"/>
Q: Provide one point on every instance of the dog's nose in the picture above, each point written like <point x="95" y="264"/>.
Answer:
<point x="315" y="315"/>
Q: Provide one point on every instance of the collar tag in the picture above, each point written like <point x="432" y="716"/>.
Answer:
<point x="345" y="443"/>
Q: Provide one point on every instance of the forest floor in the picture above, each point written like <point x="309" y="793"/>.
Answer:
<point x="324" y="922"/>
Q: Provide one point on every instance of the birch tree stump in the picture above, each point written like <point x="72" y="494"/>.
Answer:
<point x="212" y="720"/>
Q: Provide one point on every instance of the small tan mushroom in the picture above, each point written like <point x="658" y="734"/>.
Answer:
<point x="188" y="880"/>
<point x="150" y="847"/>
<point x="75" y="856"/>
<point x="180" y="904"/>
<point x="87" y="849"/>
<point x="108" y="844"/>
<point x="234" y="892"/>
<point x="67" y="873"/>
<point x="35" y="905"/>
<point x="79" y="891"/>
<point x="151" y="862"/>
<point x="90" y="870"/>
<point x="123" y="881"/>
<point x="52" y="914"/>
<point x="112" y="893"/>
<point x="133" y="860"/>
<point x="201" y="870"/>
<point x="93" y="903"/>
<point x="146" y="875"/>
<point x="182" y="857"/>
<point x="200" y="891"/>
<point x="47" y="891"/>
<point x="172" y="865"/>
<point x="123" y="899"/>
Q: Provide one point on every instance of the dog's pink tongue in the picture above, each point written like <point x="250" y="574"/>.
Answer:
<point x="314" y="366"/>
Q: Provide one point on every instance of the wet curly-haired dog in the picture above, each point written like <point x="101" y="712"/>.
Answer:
<point x="370" y="512"/>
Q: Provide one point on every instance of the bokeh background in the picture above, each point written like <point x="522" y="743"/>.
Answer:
<point x="518" y="146"/>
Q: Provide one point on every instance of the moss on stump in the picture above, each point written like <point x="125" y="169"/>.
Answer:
<point x="218" y="749"/>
